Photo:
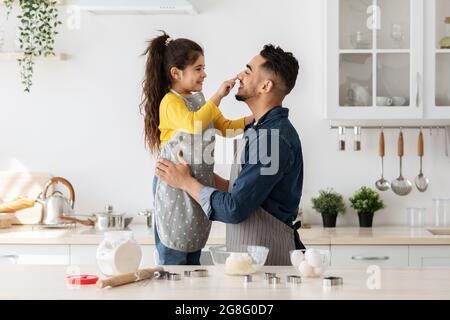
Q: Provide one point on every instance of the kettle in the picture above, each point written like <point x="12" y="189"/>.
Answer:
<point x="56" y="205"/>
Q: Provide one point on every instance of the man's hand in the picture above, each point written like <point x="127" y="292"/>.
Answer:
<point x="178" y="176"/>
<point x="175" y="175"/>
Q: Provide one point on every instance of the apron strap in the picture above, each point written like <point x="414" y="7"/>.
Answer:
<point x="298" y="243"/>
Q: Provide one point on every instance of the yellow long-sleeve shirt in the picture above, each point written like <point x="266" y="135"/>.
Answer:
<point x="174" y="115"/>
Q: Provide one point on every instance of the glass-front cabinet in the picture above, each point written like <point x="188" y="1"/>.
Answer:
<point x="374" y="59"/>
<point x="437" y="59"/>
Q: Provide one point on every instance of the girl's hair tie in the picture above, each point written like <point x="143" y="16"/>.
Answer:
<point x="168" y="40"/>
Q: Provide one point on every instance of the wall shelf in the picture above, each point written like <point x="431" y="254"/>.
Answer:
<point x="395" y="125"/>
<point x="366" y="51"/>
<point x="12" y="56"/>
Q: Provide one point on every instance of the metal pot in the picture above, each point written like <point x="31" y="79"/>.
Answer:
<point x="149" y="214"/>
<point x="110" y="220"/>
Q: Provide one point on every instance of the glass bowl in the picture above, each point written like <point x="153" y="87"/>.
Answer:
<point x="243" y="260"/>
<point x="311" y="263"/>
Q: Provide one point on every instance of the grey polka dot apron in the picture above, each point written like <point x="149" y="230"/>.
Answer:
<point x="180" y="221"/>
<point x="261" y="228"/>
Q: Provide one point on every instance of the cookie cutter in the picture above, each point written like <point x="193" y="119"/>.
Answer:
<point x="273" y="280"/>
<point x="292" y="279"/>
<point x="333" y="281"/>
<point x="174" y="277"/>
<point x="198" y="273"/>
<point x="161" y="275"/>
<point x="248" y="278"/>
<point x="269" y="275"/>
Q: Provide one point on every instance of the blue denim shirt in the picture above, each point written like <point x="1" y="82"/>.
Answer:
<point x="274" y="181"/>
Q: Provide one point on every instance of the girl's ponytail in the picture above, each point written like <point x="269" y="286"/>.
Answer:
<point x="155" y="86"/>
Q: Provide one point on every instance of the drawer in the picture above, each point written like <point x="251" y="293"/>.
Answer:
<point x="429" y="256"/>
<point x="359" y="256"/>
<point x="36" y="254"/>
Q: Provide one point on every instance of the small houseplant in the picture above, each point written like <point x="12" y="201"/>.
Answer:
<point x="37" y="32"/>
<point x="366" y="202"/>
<point x="329" y="204"/>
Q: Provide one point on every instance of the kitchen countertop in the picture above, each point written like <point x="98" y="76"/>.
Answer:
<point x="379" y="235"/>
<point x="22" y="282"/>
<point x="83" y="235"/>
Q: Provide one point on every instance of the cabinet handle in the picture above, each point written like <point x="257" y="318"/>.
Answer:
<point x="370" y="258"/>
<point x="11" y="257"/>
<point x="418" y="91"/>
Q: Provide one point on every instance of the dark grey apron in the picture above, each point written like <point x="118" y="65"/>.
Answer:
<point x="260" y="228"/>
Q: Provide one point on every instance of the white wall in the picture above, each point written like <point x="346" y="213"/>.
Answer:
<point x="82" y="122"/>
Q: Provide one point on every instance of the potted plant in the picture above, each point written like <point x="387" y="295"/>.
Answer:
<point x="366" y="202"/>
<point x="329" y="204"/>
<point x="37" y="31"/>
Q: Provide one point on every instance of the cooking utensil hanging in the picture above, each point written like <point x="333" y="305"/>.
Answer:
<point x="401" y="186"/>
<point x="382" y="184"/>
<point x="421" y="181"/>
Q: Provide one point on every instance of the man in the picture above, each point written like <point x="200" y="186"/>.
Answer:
<point x="260" y="202"/>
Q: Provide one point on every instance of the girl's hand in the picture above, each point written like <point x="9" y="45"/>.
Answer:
<point x="223" y="91"/>
<point x="226" y="87"/>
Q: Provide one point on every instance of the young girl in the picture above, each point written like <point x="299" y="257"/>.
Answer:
<point x="176" y="116"/>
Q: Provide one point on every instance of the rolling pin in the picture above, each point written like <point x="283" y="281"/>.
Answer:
<point x="131" y="277"/>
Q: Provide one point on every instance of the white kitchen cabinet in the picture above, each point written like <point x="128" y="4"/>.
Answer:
<point x="37" y="254"/>
<point x="437" y="60"/>
<point x="374" y="59"/>
<point x="357" y="256"/>
<point x="429" y="256"/>
<point x="381" y="52"/>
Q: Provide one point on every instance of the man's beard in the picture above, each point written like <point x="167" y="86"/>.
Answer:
<point x="240" y="98"/>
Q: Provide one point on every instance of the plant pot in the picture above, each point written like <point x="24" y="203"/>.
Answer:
<point x="365" y="219"/>
<point x="329" y="220"/>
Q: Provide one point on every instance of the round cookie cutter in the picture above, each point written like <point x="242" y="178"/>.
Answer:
<point x="292" y="279"/>
<point x="332" y="281"/>
<point x="174" y="276"/>
<point x="198" y="273"/>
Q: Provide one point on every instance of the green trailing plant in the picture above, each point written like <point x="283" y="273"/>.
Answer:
<point x="8" y="4"/>
<point x="329" y="202"/>
<point x="366" y="200"/>
<point x="37" y="32"/>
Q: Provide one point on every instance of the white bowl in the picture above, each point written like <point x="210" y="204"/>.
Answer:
<point x="398" y="101"/>
<point x="384" y="101"/>
<point x="243" y="260"/>
<point x="311" y="262"/>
